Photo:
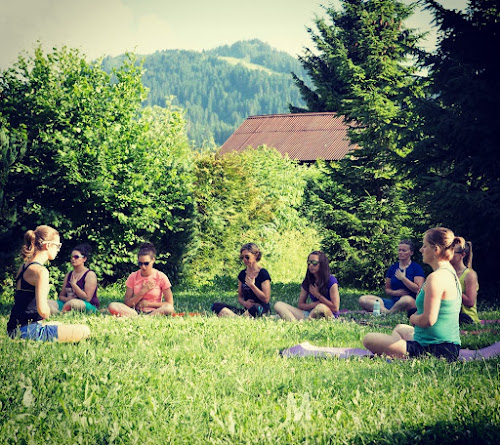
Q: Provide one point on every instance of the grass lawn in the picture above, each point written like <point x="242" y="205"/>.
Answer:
<point x="201" y="379"/>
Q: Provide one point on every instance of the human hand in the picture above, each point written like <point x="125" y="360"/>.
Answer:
<point x="248" y="303"/>
<point x="314" y="291"/>
<point x="400" y="274"/>
<point x="143" y="304"/>
<point x="147" y="286"/>
<point x="250" y="280"/>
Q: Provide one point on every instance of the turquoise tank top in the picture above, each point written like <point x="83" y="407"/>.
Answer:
<point x="446" y="329"/>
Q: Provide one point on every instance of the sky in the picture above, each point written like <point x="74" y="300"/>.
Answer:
<point x="111" y="27"/>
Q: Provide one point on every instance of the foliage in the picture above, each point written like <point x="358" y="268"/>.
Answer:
<point x="96" y="166"/>
<point x="359" y="232"/>
<point x="252" y="196"/>
<point x="216" y="94"/>
<point x="456" y="163"/>
<point x="362" y="70"/>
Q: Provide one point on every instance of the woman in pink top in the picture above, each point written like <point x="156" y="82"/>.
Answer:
<point x="148" y="290"/>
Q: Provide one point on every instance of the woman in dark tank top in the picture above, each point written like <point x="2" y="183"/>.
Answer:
<point x="79" y="290"/>
<point x="32" y="288"/>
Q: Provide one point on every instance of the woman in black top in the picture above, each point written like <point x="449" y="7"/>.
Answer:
<point x="32" y="289"/>
<point x="254" y="287"/>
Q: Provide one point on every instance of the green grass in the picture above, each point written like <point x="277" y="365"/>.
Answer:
<point x="208" y="380"/>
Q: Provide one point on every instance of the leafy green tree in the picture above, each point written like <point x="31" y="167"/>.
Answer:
<point x="456" y="164"/>
<point x="252" y="196"/>
<point x="362" y="69"/>
<point x="96" y="166"/>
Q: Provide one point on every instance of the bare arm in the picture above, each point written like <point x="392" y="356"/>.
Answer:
<point x="413" y="286"/>
<point x="42" y="291"/>
<point x="469" y="294"/>
<point x="303" y="299"/>
<point x="167" y="298"/>
<point x="434" y="291"/>
<point x="393" y="293"/>
<point x="246" y="304"/>
<point x="87" y="293"/>
<point x="264" y="294"/>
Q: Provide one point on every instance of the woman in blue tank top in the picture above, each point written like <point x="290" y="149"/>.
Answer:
<point x="435" y="327"/>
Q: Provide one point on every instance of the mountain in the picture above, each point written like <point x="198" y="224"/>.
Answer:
<point x="219" y="88"/>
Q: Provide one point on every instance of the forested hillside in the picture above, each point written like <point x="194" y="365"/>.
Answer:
<point x="219" y="88"/>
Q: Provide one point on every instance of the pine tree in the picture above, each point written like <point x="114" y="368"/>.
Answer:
<point x="362" y="69"/>
<point x="457" y="163"/>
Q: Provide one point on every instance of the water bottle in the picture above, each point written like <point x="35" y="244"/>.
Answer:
<point x="376" y="308"/>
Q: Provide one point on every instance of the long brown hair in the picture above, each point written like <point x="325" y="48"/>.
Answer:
<point x="323" y="272"/>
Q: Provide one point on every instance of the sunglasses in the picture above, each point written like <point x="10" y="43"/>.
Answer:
<point x="58" y="245"/>
<point x="246" y="257"/>
<point x="143" y="264"/>
<point x="75" y="257"/>
<point x="312" y="263"/>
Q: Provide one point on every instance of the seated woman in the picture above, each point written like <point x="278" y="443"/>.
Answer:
<point x="436" y="329"/>
<point x="148" y="290"/>
<point x="403" y="281"/>
<point x="462" y="262"/>
<point x="320" y="287"/>
<point x="79" y="291"/>
<point x="32" y="288"/>
<point x="254" y="287"/>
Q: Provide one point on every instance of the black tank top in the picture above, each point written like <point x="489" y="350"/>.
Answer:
<point x="24" y="310"/>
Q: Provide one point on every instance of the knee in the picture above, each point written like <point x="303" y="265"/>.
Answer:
<point x="322" y="309"/>
<point x="113" y="308"/>
<point x="278" y="306"/>
<point x="168" y="309"/>
<point x="364" y="299"/>
<point x="369" y="341"/>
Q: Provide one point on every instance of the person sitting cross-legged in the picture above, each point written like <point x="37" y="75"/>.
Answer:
<point x="320" y="287"/>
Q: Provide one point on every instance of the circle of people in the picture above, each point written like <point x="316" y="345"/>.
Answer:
<point x="435" y="305"/>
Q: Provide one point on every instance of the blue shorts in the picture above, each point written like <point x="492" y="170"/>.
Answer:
<point x="88" y="307"/>
<point x="389" y="302"/>
<point x="38" y="332"/>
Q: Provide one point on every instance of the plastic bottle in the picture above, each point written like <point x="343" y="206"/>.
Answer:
<point x="376" y="308"/>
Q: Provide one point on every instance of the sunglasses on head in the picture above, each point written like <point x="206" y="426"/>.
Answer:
<point x="312" y="262"/>
<point x="75" y="257"/>
<point x="143" y="264"/>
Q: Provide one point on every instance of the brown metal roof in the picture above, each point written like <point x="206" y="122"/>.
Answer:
<point x="303" y="136"/>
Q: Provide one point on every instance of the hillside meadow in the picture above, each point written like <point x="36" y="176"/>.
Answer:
<point x="200" y="379"/>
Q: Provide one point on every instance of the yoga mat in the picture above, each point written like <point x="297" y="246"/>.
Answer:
<point x="306" y="349"/>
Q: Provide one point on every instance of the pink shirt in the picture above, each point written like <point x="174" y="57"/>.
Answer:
<point x="135" y="281"/>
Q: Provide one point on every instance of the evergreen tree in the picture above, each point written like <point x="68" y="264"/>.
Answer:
<point x="457" y="163"/>
<point x="361" y="69"/>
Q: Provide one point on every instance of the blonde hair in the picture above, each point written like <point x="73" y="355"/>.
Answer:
<point x="34" y="239"/>
<point x="466" y="247"/>
<point x="445" y="239"/>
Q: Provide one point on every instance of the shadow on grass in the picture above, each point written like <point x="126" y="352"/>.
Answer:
<point x="479" y="431"/>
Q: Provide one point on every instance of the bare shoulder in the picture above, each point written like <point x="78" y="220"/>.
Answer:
<point x="440" y="276"/>
<point x="471" y="276"/>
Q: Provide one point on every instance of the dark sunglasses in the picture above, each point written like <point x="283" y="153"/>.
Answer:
<point x="75" y="257"/>
<point x="246" y="257"/>
<point x="312" y="263"/>
<point x="143" y="264"/>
